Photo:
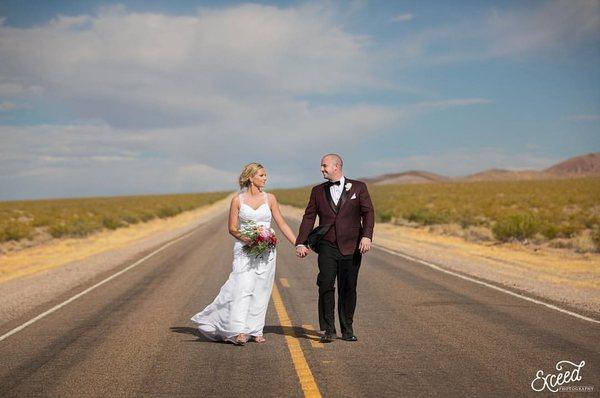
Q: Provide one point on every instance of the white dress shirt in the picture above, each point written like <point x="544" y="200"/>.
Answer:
<point x="336" y="190"/>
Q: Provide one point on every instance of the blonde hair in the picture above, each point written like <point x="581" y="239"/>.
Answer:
<point x="248" y="172"/>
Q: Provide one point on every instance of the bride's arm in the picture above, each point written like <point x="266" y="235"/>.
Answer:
<point x="287" y="231"/>
<point x="234" y="211"/>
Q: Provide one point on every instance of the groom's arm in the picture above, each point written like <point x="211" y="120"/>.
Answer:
<point x="367" y="213"/>
<point x="308" y="220"/>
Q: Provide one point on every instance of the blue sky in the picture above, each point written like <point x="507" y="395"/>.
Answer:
<point x="109" y="98"/>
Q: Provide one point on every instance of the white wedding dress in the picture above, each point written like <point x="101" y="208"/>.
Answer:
<point x="241" y="305"/>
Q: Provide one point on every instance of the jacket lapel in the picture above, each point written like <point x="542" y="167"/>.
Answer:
<point x="329" y="198"/>
<point x="344" y="196"/>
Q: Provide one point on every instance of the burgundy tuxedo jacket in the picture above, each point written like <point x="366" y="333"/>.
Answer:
<point x="352" y="219"/>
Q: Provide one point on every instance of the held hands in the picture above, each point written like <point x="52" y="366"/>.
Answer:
<point x="302" y="251"/>
<point x="364" y="245"/>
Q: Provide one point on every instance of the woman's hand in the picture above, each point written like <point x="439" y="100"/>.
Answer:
<point x="245" y="239"/>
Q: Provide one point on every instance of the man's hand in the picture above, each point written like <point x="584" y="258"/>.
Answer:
<point x="364" y="245"/>
<point x="301" y="251"/>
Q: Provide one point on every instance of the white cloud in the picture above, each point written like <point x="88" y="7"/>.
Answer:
<point x="403" y="17"/>
<point x="11" y="89"/>
<point x="68" y="160"/>
<point x="23" y="94"/>
<point x="584" y="118"/>
<point x="193" y="176"/>
<point x="553" y="27"/>
<point x="189" y="67"/>
<point x="549" y="25"/>
<point x="64" y="146"/>
<point x="453" y="102"/>
<point x="7" y="106"/>
<point x="83" y="160"/>
<point x="179" y="103"/>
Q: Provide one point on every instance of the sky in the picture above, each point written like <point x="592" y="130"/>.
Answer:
<point x="102" y="98"/>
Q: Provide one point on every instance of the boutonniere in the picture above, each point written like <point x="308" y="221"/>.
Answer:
<point x="348" y="186"/>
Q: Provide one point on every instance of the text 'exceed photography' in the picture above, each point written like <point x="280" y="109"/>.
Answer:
<point x="568" y="372"/>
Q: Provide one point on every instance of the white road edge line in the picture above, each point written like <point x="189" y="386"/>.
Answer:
<point x="89" y="289"/>
<point x="436" y="267"/>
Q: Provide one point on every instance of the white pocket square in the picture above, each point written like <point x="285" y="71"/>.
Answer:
<point x="353" y="196"/>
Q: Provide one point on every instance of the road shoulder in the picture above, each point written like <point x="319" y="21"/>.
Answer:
<point x="568" y="278"/>
<point x="36" y="276"/>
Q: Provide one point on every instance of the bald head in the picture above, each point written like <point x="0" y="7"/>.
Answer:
<point x="335" y="158"/>
<point x="331" y="166"/>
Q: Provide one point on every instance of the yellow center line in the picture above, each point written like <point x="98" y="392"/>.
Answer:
<point x="307" y="381"/>
<point x="284" y="282"/>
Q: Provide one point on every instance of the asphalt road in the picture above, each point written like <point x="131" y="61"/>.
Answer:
<point x="421" y="333"/>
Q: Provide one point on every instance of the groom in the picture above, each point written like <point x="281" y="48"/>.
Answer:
<point x="343" y="203"/>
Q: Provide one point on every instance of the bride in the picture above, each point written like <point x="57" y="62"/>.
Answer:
<point x="238" y="312"/>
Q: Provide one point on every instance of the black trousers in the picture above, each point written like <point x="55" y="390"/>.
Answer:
<point x="332" y="265"/>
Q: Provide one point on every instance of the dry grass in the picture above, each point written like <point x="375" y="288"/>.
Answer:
<point x="505" y="211"/>
<point x="37" y="221"/>
<point x="541" y="269"/>
<point x="56" y="252"/>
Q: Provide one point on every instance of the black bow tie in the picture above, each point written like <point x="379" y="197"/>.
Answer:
<point x="334" y="183"/>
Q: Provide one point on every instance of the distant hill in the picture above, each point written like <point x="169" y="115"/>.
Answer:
<point x="505" y="175"/>
<point x="579" y="166"/>
<point x="407" y="177"/>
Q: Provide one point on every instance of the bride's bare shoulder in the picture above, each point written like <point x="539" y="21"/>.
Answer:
<point x="272" y="197"/>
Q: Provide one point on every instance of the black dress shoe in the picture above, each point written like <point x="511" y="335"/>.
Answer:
<point x="328" y="337"/>
<point x="349" y="337"/>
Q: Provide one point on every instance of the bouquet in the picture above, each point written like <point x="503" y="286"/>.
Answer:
<point x="261" y="239"/>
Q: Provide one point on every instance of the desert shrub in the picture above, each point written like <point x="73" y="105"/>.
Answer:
<point x="516" y="226"/>
<point x="81" y="216"/>
<point x="568" y="229"/>
<point x="58" y="230"/>
<point x="42" y="221"/>
<point x="426" y="217"/>
<point x="170" y="211"/>
<point x="549" y="231"/>
<point x="15" y="230"/>
<point x="383" y="216"/>
<point x="75" y="227"/>
<point x="466" y="220"/>
<point x="130" y="218"/>
<point x="146" y="216"/>
<point x="596" y="238"/>
<point x="478" y="234"/>
<point x="112" y="222"/>
<point x="560" y="209"/>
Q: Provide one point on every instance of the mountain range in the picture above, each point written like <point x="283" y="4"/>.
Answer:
<point x="576" y="167"/>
